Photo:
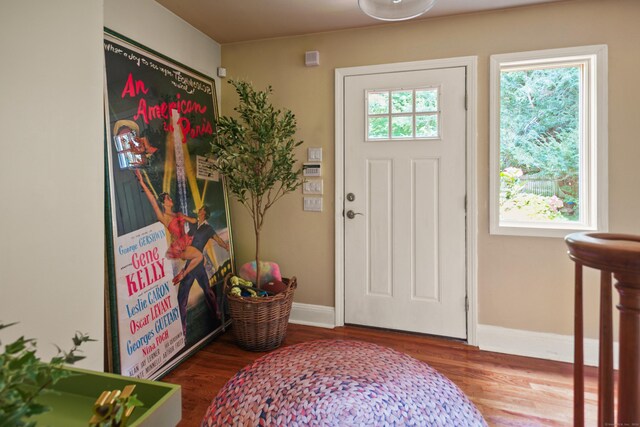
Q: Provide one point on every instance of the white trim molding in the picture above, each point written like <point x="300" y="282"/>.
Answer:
<point x="320" y="316"/>
<point x="470" y="64"/>
<point x="540" y="345"/>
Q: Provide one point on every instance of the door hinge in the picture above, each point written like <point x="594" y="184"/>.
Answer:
<point x="466" y="303"/>
<point x="466" y="101"/>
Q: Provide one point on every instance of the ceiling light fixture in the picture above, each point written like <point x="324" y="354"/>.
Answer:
<point x="395" y="10"/>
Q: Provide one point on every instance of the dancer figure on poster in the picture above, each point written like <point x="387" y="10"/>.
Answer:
<point x="201" y="232"/>
<point x="180" y="246"/>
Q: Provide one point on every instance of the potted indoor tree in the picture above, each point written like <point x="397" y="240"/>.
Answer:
<point x="255" y="154"/>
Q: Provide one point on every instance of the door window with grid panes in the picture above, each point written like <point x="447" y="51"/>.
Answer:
<point x="397" y="114"/>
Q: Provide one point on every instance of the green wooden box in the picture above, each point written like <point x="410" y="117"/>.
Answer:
<point x="72" y="405"/>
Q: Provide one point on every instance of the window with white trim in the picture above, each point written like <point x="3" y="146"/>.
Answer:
<point x="548" y="142"/>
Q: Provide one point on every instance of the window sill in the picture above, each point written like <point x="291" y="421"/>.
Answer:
<point x="539" y="230"/>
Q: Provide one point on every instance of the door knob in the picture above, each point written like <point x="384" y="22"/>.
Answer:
<point x="352" y="214"/>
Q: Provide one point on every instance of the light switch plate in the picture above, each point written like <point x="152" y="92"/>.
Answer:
<point x="314" y="154"/>
<point x="313" y="204"/>
<point x="312" y="186"/>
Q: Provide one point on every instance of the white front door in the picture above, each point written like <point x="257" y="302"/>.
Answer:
<point x="405" y="187"/>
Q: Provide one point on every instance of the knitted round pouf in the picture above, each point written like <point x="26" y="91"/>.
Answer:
<point x="340" y="383"/>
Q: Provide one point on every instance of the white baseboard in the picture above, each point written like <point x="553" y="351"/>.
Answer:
<point x="538" y="344"/>
<point x="312" y="315"/>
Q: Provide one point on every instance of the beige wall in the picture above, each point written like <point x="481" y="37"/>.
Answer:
<point x="51" y="179"/>
<point x="523" y="283"/>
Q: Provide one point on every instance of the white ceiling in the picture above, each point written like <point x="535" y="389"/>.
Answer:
<point x="229" y="21"/>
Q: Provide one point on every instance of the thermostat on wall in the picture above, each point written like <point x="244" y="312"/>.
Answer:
<point x="311" y="169"/>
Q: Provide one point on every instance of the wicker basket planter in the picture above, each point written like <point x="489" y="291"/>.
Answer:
<point x="260" y="324"/>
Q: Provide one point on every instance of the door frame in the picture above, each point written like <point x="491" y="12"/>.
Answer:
<point x="470" y="64"/>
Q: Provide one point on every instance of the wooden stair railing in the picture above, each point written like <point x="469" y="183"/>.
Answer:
<point x="617" y="254"/>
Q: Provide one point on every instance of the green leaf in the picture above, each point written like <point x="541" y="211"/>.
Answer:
<point x="80" y="338"/>
<point x="73" y="358"/>
<point x="16" y="346"/>
<point x="36" y="408"/>
<point x="134" y="401"/>
<point x="2" y="325"/>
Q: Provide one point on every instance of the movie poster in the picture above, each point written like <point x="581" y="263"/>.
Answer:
<point x="170" y="244"/>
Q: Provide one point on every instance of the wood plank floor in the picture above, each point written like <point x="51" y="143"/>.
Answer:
<point x="508" y="390"/>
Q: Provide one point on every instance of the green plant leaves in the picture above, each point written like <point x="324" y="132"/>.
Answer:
<point x="23" y="377"/>
<point x="256" y="153"/>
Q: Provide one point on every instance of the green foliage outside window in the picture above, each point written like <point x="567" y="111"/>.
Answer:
<point x="379" y="127"/>
<point x="539" y="135"/>
<point x="401" y="127"/>
<point x="426" y="126"/>
<point x="516" y="205"/>
<point x="426" y="100"/>
<point x="379" y="103"/>
<point x="402" y="114"/>
<point x="402" y="101"/>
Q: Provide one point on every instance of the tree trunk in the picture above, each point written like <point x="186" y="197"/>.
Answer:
<point x="258" y="258"/>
